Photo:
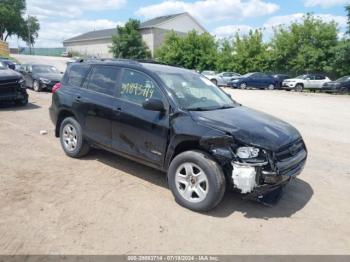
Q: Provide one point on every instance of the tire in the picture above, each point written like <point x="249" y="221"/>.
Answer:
<point x="214" y="81"/>
<point x="243" y="86"/>
<point x="71" y="138"/>
<point x="36" y="86"/>
<point x="22" y="102"/>
<point x="184" y="181"/>
<point x="299" y="88"/>
<point x="271" y="87"/>
<point x="343" y="91"/>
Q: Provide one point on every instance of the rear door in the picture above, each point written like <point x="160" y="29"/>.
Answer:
<point x="140" y="133"/>
<point x="97" y="104"/>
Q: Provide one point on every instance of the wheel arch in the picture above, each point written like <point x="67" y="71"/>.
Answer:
<point x="64" y="113"/>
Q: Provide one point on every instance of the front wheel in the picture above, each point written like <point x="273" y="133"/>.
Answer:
<point x="36" y="86"/>
<point x="71" y="138"/>
<point x="243" y="86"/>
<point x="343" y="91"/>
<point x="299" y="88"/>
<point x="196" y="181"/>
<point x="22" y="102"/>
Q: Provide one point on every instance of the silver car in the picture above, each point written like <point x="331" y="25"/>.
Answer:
<point x="220" y="79"/>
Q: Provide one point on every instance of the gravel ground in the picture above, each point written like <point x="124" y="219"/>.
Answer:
<point x="105" y="204"/>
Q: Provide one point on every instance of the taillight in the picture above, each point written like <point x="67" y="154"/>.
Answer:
<point x="56" y="87"/>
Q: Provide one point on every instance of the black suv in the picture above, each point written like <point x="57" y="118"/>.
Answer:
<point x="12" y="86"/>
<point x="177" y="121"/>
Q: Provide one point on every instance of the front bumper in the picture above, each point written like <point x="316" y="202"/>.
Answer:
<point x="13" y="96"/>
<point x="271" y="176"/>
<point x="233" y="84"/>
<point x="288" y="86"/>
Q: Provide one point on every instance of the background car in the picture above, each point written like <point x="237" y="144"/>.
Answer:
<point x="11" y="86"/>
<point x="255" y="80"/>
<point x="279" y="79"/>
<point x="306" y="81"/>
<point x="40" y="77"/>
<point x="341" y="85"/>
<point x="221" y="79"/>
<point x="8" y="63"/>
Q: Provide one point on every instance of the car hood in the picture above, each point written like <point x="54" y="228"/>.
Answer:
<point x="51" y="77"/>
<point x="250" y="127"/>
<point x="292" y="80"/>
<point x="8" y="74"/>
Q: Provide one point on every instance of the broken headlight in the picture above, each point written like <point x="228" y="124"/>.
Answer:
<point x="247" y="152"/>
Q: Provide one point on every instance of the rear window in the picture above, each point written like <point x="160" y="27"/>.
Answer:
<point x="77" y="74"/>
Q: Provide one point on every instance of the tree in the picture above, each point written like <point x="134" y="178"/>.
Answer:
<point x="29" y="30"/>
<point x="193" y="51"/>
<point x="341" y="58"/>
<point x="347" y="9"/>
<point x="305" y="46"/>
<point x="13" y="23"/>
<point x="244" y="54"/>
<point x="128" y="43"/>
<point x="11" y="19"/>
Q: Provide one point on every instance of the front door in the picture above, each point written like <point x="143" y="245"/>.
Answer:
<point x="140" y="133"/>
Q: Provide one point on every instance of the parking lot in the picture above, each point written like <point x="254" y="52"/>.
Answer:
<point x="105" y="204"/>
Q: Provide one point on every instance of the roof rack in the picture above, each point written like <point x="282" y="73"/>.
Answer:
<point x="94" y="59"/>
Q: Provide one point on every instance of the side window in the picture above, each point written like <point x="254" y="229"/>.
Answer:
<point x="103" y="79"/>
<point x="137" y="87"/>
<point x="77" y="74"/>
<point x="320" y="77"/>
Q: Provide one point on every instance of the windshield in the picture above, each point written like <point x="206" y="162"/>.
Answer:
<point x="302" y="77"/>
<point x="343" y="79"/>
<point x="42" y="69"/>
<point x="195" y="92"/>
<point x="248" y="75"/>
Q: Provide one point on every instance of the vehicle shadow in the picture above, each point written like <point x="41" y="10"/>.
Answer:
<point x="294" y="197"/>
<point x="149" y="174"/>
<point x="13" y="107"/>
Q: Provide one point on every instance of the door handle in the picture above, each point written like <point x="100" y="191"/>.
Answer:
<point x="118" y="110"/>
<point x="78" y="99"/>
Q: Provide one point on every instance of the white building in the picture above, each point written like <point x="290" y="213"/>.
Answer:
<point x="97" y="43"/>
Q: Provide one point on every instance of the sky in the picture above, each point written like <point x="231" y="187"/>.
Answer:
<point x="63" y="19"/>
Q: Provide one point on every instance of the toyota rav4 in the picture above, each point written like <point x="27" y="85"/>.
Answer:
<point x="179" y="122"/>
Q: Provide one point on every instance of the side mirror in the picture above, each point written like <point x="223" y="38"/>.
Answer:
<point x="229" y="95"/>
<point x="154" y="105"/>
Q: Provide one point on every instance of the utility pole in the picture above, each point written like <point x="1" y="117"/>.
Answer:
<point x="29" y="38"/>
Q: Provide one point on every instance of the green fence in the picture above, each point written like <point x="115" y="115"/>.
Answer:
<point x="42" y="51"/>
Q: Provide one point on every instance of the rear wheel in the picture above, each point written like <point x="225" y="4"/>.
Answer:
<point x="72" y="140"/>
<point x="299" y="88"/>
<point x="196" y="181"/>
<point x="271" y="87"/>
<point x="36" y="86"/>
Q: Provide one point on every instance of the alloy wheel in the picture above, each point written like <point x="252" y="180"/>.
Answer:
<point x="70" y="138"/>
<point x="36" y="86"/>
<point x="192" y="182"/>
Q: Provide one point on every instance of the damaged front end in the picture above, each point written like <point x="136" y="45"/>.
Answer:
<point x="257" y="173"/>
